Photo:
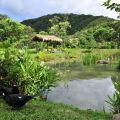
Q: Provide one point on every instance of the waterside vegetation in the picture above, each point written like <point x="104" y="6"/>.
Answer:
<point x="87" y="39"/>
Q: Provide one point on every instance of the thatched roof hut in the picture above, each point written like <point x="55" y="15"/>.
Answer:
<point x="47" y="38"/>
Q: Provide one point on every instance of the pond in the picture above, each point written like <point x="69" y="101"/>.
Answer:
<point x="85" y="87"/>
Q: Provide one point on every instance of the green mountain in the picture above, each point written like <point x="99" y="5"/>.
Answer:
<point x="86" y="31"/>
<point x="78" y="22"/>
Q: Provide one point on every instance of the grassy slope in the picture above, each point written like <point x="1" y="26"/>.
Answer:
<point x="38" y="110"/>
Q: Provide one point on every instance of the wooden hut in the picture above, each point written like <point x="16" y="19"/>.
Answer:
<point x="47" y="38"/>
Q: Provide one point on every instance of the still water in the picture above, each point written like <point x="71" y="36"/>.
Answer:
<point x="85" y="87"/>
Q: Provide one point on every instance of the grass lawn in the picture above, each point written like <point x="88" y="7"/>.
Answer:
<point x="39" y="110"/>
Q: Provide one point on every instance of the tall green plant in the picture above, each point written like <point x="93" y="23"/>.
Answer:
<point x="32" y="76"/>
<point x="114" y="101"/>
<point x="90" y="58"/>
<point x="6" y="60"/>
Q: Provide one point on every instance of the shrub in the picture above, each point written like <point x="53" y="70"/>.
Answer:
<point x="29" y="74"/>
<point x="45" y="57"/>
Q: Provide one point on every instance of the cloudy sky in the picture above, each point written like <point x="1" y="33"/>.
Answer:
<point x="26" y="9"/>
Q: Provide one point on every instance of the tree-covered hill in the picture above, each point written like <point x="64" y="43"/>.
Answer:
<point x="77" y="22"/>
<point x="3" y="16"/>
<point x="84" y="31"/>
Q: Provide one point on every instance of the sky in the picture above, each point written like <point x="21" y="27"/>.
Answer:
<point x="26" y="9"/>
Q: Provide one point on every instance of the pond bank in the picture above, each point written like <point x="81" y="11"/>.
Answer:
<point x="39" y="110"/>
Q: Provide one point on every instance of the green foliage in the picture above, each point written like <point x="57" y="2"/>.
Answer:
<point x="43" y="56"/>
<point x="18" y="66"/>
<point x="91" y="44"/>
<point x="77" y="22"/>
<point x="99" y="36"/>
<point x="86" y="38"/>
<point x="90" y="31"/>
<point x="112" y="6"/>
<point x="114" y="101"/>
<point x="55" y="20"/>
<point x="6" y="59"/>
<point x="107" y="45"/>
<point x="39" y="46"/>
<point x="3" y="16"/>
<point x="13" y="31"/>
<point x="58" y="28"/>
<point x="84" y="31"/>
<point x="71" y="42"/>
<point x="118" y="65"/>
<point x="43" y="33"/>
<point x="103" y="33"/>
<point x="90" y="58"/>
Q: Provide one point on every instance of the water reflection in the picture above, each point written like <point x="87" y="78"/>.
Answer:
<point x="85" y="87"/>
<point x="84" y="94"/>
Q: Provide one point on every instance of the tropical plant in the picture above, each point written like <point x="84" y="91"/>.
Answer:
<point x="31" y="76"/>
<point x="114" y="101"/>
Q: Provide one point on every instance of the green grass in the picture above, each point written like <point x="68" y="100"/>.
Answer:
<point x="76" y="54"/>
<point x="39" y="110"/>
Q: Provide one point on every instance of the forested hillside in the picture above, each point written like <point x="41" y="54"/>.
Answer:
<point x="77" y="22"/>
<point x="84" y="31"/>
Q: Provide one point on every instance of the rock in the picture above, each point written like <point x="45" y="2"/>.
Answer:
<point x="116" y="117"/>
<point x="102" y="62"/>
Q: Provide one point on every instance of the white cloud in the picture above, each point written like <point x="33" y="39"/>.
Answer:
<point x="115" y="1"/>
<point x="35" y="8"/>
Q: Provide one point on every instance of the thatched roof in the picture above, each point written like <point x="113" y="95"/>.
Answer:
<point x="47" y="38"/>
